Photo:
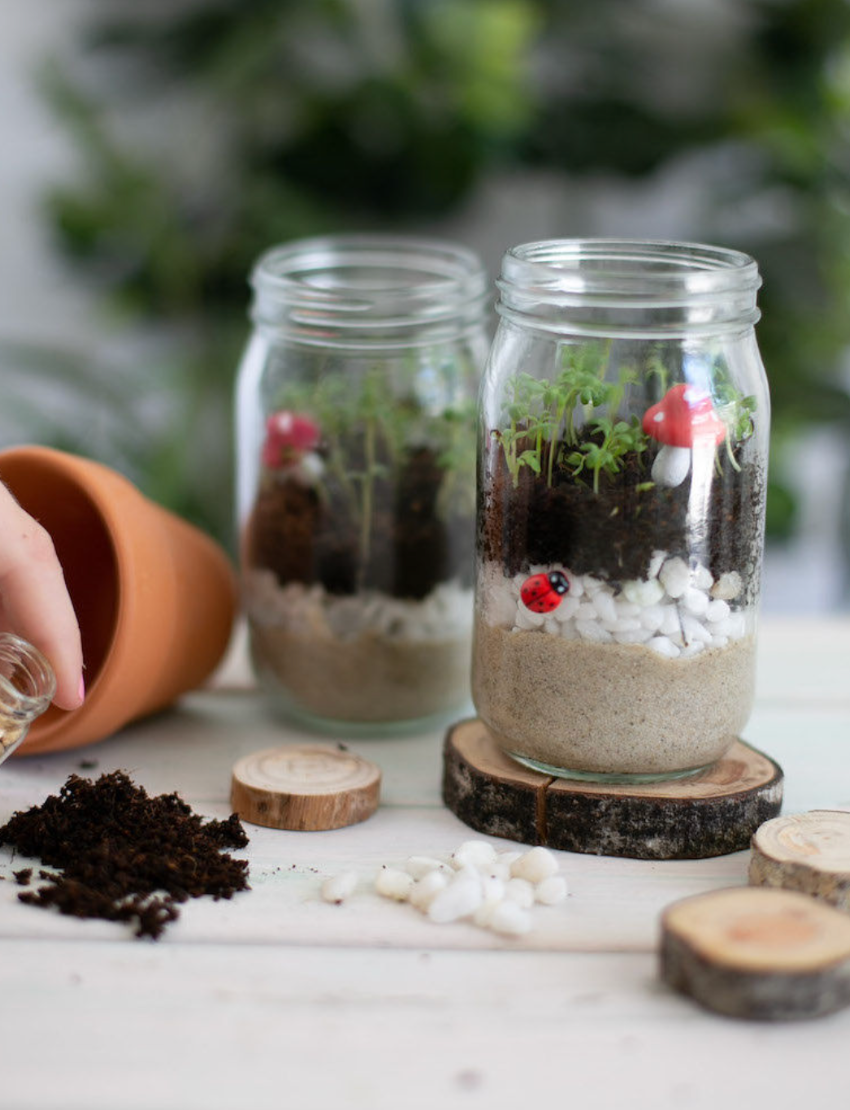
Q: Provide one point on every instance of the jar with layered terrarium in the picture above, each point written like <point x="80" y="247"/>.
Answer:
<point x="356" y="476"/>
<point x="623" y="463"/>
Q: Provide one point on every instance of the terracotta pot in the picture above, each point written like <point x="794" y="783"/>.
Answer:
<point x="154" y="596"/>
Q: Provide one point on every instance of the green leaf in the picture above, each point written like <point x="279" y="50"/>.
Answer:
<point x="531" y="459"/>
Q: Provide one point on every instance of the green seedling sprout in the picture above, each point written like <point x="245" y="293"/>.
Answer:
<point x="368" y="432"/>
<point x="542" y="423"/>
<point x="618" y="438"/>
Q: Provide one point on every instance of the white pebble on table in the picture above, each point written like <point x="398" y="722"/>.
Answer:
<point x="419" y="866"/>
<point x="520" y="891"/>
<point x="475" y="853"/>
<point x="511" y="920"/>
<point x="492" y="890"/>
<point x="535" y="865"/>
<point x="458" y="899"/>
<point x="428" y="887"/>
<point x="339" y="887"/>
<point x="501" y="868"/>
<point x="393" y="883"/>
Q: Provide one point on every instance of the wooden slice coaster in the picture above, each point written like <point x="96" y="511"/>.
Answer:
<point x="809" y="852"/>
<point x="304" y="788"/>
<point x="710" y="814"/>
<point x="751" y="952"/>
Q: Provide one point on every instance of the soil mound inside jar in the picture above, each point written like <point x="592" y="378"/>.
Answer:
<point x="307" y="536"/>
<point x="613" y="532"/>
<point x="125" y="856"/>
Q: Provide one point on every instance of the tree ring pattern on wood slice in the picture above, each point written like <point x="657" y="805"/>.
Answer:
<point x="305" y="787"/>
<point x="758" y="953"/>
<point x="711" y="814"/>
<point x="808" y="852"/>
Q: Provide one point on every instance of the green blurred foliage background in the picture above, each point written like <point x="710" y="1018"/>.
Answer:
<point x="209" y="129"/>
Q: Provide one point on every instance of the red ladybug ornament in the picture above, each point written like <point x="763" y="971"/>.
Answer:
<point x="541" y="593"/>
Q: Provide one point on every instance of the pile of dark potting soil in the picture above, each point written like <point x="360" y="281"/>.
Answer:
<point x="125" y="856"/>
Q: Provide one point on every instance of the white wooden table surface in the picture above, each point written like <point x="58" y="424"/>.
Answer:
<point x="277" y="999"/>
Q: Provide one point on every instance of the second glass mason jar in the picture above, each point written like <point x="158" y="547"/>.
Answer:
<point x="622" y="478"/>
<point x="356" y="476"/>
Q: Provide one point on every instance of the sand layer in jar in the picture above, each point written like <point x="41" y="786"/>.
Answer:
<point x="370" y="678"/>
<point x="364" y="657"/>
<point x="610" y="708"/>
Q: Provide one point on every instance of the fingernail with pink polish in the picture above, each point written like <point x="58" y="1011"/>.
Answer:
<point x="81" y="693"/>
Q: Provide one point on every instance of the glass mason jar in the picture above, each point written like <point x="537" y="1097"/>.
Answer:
<point x="27" y="686"/>
<point x="356" y="413"/>
<point x="622" y="478"/>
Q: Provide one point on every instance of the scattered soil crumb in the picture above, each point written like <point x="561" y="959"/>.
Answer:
<point x="22" y="877"/>
<point x="125" y="856"/>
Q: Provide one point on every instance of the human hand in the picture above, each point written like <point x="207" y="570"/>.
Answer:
<point x="34" y="602"/>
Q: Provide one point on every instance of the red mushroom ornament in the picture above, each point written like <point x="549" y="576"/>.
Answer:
<point x="289" y="437"/>
<point x="683" y="421"/>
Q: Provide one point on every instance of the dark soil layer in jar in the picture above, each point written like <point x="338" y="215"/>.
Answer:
<point x="407" y="547"/>
<point x="612" y="533"/>
<point x="124" y="856"/>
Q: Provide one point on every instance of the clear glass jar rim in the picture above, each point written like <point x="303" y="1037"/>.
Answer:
<point x="651" y="271"/>
<point x="398" y="277"/>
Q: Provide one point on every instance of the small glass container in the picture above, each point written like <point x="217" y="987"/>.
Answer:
<point x="356" y="415"/>
<point x="623" y="467"/>
<point x="27" y="687"/>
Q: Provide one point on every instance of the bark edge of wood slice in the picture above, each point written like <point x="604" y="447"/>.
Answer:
<point x="757" y="953"/>
<point x="304" y="787"/>
<point x="808" y="852"/>
<point x="710" y="814"/>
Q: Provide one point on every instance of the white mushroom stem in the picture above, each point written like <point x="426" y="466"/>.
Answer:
<point x="671" y="465"/>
